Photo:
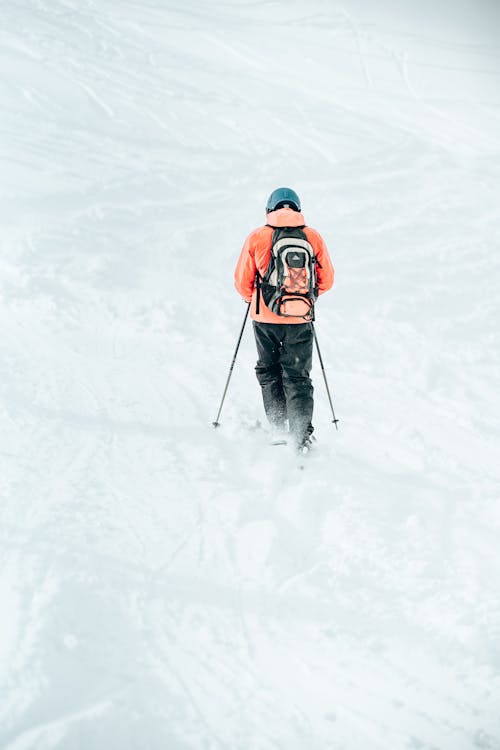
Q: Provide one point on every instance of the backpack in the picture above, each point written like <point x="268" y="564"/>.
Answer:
<point x="289" y="285"/>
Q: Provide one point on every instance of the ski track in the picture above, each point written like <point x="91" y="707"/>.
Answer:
<point x="165" y="584"/>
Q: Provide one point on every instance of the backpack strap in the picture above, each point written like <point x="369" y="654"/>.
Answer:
<point x="258" y="284"/>
<point x="271" y="226"/>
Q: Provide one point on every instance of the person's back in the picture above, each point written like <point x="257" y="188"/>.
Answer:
<point x="284" y="341"/>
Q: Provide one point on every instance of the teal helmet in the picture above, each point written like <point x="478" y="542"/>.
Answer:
<point x="283" y="197"/>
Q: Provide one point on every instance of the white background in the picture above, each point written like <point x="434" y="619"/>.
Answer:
<point x="168" y="586"/>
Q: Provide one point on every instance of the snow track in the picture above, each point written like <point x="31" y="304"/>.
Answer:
<point x="167" y="585"/>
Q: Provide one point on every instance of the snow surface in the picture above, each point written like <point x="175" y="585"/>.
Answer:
<point x="168" y="586"/>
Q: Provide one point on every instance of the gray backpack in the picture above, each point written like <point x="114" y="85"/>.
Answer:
<point x="289" y="285"/>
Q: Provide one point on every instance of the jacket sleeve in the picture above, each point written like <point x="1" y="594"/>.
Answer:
<point x="245" y="272"/>
<point x="324" y="270"/>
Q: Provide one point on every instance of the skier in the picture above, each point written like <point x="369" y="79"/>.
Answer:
<point x="284" y="341"/>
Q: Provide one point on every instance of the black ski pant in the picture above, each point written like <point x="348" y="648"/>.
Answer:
<point x="284" y="363"/>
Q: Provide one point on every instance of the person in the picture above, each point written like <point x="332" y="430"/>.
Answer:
<point x="284" y="344"/>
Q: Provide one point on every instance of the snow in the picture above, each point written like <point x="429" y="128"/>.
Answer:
<point x="167" y="585"/>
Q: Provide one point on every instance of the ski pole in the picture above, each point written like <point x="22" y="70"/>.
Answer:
<point x="334" y="420"/>
<point x="217" y="423"/>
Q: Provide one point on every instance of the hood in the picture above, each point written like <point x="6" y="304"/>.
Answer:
<point x="285" y="217"/>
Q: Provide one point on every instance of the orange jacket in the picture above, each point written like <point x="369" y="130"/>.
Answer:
<point x="256" y="254"/>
